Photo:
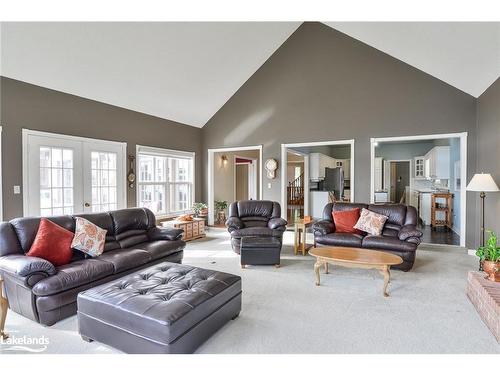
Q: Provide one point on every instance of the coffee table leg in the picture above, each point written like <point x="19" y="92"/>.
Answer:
<point x="4" y="305"/>
<point x="317" y="266"/>
<point x="387" y="277"/>
<point x="326" y="267"/>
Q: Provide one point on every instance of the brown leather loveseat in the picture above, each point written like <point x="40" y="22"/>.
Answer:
<point x="46" y="294"/>
<point x="400" y="235"/>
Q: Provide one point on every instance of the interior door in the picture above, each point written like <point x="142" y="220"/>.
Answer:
<point x="51" y="186"/>
<point x="66" y="175"/>
<point x="103" y="177"/>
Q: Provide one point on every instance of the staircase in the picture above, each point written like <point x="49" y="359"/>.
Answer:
<point x="295" y="191"/>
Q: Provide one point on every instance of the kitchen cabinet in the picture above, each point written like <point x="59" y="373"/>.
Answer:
<point x="419" y="167"/>
<point x="425" y="208"/>
<point x="318" y="162"/>
<point x="381" y="197"/>
<point x="378" y="173"/>
<point x="437" y="163"/>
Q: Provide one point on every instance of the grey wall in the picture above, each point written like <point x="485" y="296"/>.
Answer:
<point x="335" y="151"/>
<point x="33" y="107"/>
<point x="323" y="85"/>
<point x="488" y="153"/>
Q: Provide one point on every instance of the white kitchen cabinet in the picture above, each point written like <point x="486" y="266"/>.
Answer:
<point x="318" y="162"/>
<point x="419" y="167"/>
<point x="378" y="173"/>
<point x="425" y="208"/>
<point x="381" y="197"/>
<point x="437" y="163"/>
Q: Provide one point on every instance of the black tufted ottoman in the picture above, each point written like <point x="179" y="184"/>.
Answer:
<point x="167" y="308"/>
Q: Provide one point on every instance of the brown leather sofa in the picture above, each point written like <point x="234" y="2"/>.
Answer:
<point x="46" y="294"/>
<point x="400" y="235"/>
<point x="254" y="218"/>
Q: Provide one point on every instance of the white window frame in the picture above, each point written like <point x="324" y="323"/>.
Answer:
<point x="168" y="153"/>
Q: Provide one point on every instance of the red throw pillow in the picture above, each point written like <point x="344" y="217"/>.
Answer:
<point x="346" y="220"/>
<point x="53" y="243"/>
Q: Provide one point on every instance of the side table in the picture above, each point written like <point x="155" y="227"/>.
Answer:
<point x="4" y="306"/>
<point x="300" y="228"/>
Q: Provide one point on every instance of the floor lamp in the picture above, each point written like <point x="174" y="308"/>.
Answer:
<point x="482" y="182"/>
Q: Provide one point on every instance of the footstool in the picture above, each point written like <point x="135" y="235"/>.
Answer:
<point x="260" y="251"/>
<point x="167" y="308"/>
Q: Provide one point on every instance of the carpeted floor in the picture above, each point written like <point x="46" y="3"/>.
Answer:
<point x="284" y="312"/>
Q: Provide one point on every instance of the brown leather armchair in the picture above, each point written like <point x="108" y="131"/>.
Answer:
<point x="254" y="218"/>
<point x="400" y="235"/>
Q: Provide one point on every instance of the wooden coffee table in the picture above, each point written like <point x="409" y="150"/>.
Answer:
<point x="355" y="258"/>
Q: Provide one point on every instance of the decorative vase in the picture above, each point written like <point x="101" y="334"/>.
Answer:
<point x="492" y="269"/>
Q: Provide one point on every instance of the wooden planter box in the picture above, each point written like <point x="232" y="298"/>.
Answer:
<point x="192" y="229"/>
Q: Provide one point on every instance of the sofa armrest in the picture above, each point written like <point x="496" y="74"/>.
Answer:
<point x="409" y="231"/>
<point x="26" y="270"/>
<point x="323" y="227"/>
<point x="234" y="223"/>
<point x="170" y="234"/>
<point x="277" y="223"/>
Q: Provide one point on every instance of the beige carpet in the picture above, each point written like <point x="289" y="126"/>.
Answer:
<point x="284" y="312"/>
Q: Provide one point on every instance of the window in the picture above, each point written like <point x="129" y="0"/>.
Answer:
<point x="165" y="180"/>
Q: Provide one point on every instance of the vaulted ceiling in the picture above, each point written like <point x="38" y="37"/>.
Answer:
<point x="187" y="71"/>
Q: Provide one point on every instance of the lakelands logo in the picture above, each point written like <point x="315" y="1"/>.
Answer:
<point x="24" y="343"/>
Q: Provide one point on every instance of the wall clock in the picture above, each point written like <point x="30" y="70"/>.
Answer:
<point x="271" y="166"/>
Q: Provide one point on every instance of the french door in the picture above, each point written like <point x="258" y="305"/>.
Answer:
<point x="65" y="175"/>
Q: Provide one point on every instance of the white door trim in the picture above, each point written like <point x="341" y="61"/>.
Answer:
<point x="211" y="152"/>
<point x="28" y="132"/>
<point x="285" y="146"/>
<point x="398" y="160"/>
<point x="463" y="168"/>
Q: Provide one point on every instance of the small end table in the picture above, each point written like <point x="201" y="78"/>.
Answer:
<point x="300" y="228"/>
<point x="4" y="306"/>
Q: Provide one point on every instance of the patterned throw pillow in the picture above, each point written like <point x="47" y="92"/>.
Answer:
<point x="89" y="238"/>
<point x="371" y="222"/>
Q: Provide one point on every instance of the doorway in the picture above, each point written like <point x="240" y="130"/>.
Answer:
<point x="220" y="173"/>
<point x="63" y="175"/>
<point x="437" y="164"/>
<point x="328" y="175"/>
<point x="245" y="178"/>
<point x="400" y="180"/>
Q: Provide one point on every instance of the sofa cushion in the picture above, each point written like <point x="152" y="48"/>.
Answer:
<point x="388" y="243"/>
<point x="52" y="243"/>
<point x="396" y="213"/>
<point x="340" y="239"/>
<point x="161" y="248"/>
<point x="256" y="231"/>
<point x="73" y="275"/>
<point x="125" y="259"/>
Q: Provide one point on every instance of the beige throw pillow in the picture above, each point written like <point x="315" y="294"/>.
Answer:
<point x="371" y="222"/>
<point x="89" y="238"/>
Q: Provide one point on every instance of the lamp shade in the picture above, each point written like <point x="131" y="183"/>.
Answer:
<point x="482" y="182"/>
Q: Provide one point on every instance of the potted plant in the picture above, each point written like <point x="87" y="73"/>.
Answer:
<point x="200" y="209"/>
<point x="490" y="257"/>
<point x="220" y="211"/>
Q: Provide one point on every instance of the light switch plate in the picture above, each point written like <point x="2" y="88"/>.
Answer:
<point x="17" y="189"/>
<point x="269" y="185"/>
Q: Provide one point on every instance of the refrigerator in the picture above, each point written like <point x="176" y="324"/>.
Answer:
<point x="334" y="182"/>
